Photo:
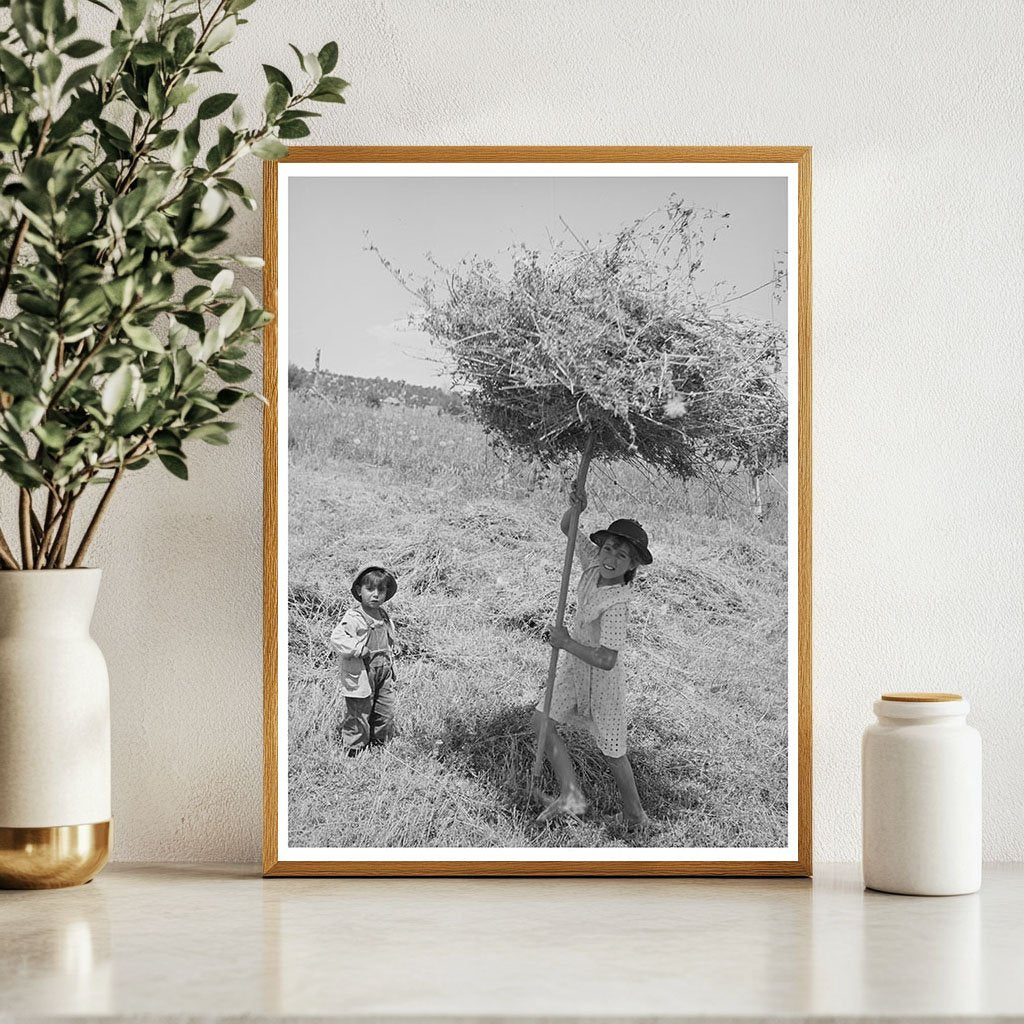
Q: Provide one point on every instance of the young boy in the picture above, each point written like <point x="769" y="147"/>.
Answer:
<point x="365" y="640"/>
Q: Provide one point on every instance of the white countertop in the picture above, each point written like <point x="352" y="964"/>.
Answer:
<point x="177" y="941"/>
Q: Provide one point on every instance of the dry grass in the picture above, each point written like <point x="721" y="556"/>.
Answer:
<point x="476" y="546"/>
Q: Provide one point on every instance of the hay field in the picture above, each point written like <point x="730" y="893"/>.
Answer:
<point x="476" y="546"/>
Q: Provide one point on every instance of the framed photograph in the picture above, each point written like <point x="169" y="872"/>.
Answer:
<point x="538" y="511"/>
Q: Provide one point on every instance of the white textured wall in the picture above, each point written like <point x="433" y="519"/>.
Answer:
<point x="913" y="110"/>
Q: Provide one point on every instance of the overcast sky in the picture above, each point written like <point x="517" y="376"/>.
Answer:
<point x="344" y="302"/>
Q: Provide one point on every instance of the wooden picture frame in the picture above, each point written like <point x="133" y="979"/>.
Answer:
<point x="624" y="855"/>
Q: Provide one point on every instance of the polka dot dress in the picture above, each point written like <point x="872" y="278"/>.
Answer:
<point x="591" y="697"/>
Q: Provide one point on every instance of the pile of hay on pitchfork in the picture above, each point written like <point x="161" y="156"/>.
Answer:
<point x="613" y="339"/>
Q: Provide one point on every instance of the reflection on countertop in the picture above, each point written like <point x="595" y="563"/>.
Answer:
<point x="183" y="940"/>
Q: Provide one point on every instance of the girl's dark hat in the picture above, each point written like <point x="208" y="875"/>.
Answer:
<point x="392" y="582"/>
<point x="627" y="529"/>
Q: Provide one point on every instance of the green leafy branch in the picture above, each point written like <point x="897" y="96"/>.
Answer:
<point x="122" y="332"/>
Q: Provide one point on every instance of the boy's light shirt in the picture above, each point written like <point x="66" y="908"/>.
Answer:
<point x="349" y="639"/>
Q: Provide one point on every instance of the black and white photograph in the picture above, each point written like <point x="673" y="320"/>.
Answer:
<point x="536" y="527"/>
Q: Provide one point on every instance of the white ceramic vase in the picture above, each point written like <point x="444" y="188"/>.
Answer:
<point x="54" y="731"/>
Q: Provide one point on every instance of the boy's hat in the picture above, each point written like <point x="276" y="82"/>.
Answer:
<point x="392" y="582"/>
<point x="627" y="529"/>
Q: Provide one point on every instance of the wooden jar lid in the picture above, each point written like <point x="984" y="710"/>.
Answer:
<point x="921" y="698"/>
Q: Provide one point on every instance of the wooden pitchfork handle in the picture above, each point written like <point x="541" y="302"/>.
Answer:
<point x="563" y="594"/>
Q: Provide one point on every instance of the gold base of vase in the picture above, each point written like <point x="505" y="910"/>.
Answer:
<point x="54" y="857"/>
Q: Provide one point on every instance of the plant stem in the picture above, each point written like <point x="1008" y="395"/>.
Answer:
<point x="51" y="509"/>
<point x="51" y="524"/>
<point x="90" y="531"/>
<point x="63" y="549"/>
<point x="56" y="556"/>
<point x="6" y="554"/>
<point x="37" y="527"/>
<point x="25" y="523"/>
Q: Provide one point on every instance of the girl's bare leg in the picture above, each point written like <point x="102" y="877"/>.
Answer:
<point x="570" y="795"/>
<point x="633" y="812"/>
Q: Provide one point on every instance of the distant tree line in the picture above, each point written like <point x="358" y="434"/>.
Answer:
<point x="373" y="392"/>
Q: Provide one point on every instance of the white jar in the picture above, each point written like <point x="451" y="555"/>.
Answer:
<point x="921" y="778"/>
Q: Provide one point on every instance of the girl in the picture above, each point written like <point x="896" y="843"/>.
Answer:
<point x="590" y="685"/>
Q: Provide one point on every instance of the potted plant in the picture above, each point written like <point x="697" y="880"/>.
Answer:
<point x="122" y="339"/>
